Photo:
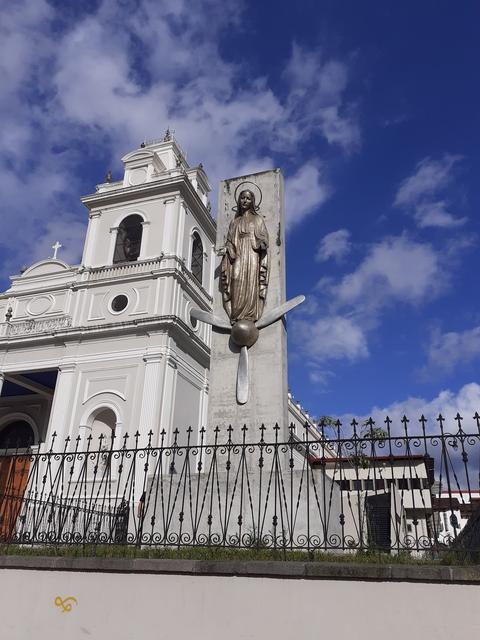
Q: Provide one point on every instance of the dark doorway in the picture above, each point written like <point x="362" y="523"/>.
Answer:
<point x="16" y="435"/>
<point x="15" y="438"/>
<point x="378" y="521"/>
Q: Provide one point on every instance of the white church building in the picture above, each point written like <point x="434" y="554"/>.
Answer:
<point x="109" y="344"/>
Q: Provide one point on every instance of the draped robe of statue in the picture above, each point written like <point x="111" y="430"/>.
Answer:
<point x="244" y="269"/>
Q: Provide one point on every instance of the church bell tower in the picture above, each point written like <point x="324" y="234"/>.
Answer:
<point x="113" y="337"/>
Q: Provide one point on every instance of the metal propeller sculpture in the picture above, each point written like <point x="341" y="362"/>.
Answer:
<point x="244" y="334"/>
<point x="244" y="280"/>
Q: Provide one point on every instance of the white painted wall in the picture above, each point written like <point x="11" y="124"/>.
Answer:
<point x="134" y="606"/>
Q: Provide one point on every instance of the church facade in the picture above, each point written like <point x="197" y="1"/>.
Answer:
<point x="109" y="346"/>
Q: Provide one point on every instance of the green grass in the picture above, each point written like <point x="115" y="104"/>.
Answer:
<point x="221" y="553"/>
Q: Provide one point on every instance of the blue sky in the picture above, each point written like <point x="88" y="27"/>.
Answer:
<point x="370" y="109"/>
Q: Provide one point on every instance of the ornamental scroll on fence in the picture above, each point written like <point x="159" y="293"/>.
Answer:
<point x="384" y="489"/>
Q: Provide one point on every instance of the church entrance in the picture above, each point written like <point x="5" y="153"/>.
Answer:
<point x="16" y="438"/>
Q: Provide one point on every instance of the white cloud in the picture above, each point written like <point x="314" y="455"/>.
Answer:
<point x="395" y="269"/>
<point x="320" y="376"/>
<point x="435" y="214"/>
<point x="329" y="338"/>
<point x="334" y="245"/>
<point x="24" y="49"/>
<point x="191" y="88"/>
<point x="124" y="71"/>
<point x="305" y="191"/>
<point x="70" y="231"/>
<point x="450" y="349"/>
<point x="418" y="194"/>
<point x="430" y="177"/>
<point x="319" y="85"/>
<point x="448" y="403"/>
<point x="29" y="201"/>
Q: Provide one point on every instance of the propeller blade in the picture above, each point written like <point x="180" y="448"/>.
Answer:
<point x="209" y="318"/>
<point x="278" y="312"/>
<point x="242" y="376"/>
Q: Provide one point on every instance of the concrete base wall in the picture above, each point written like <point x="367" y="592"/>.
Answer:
<point x="210" y="504"/>
<point x="249" y="601"/>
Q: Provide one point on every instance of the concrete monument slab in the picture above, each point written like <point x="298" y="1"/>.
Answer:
<point x="248" y="376"/>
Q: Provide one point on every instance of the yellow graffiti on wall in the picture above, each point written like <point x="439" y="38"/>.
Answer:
<point x="65" y="604"/>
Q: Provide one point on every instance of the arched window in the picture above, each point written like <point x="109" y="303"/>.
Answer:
<point x="103" y="424"/>
<point x="16" y="435"/>
<point x="129" y="239"/>
<point x="197" y="258"/>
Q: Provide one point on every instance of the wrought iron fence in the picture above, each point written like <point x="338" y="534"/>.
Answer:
<point x="332" y="488"/>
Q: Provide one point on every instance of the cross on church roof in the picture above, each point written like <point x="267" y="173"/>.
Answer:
<point x="55" y="248"/>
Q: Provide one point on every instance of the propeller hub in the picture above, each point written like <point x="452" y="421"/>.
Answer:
<point x="244" y="333"/>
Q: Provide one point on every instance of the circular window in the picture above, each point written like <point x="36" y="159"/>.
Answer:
<point x="193" y="322"/>
<point x="119" y="303"/>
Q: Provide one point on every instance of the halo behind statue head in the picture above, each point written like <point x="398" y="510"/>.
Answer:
<point x="248" y="186"/>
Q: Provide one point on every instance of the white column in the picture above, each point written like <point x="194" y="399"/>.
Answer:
<point x="113" y="242"/>
<point x="90" y="240"/>
<point x="203" y="409"/>
<point x="169" y="240"/>
<point x="150" y="410"/>
<point x="204" y="401"/>
<point x="2" y="379"/>
<point x="210" y="285"/>
<point x="118" y="435"/>
<point x="62" y="407"/>
<point x="83" y="431"/>
<point x="181" y="215"/>
<point x="144" y="246"/>
<point x="168" y="397"/>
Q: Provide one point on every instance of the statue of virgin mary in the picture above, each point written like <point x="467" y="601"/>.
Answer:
<point x="244" y="268"/>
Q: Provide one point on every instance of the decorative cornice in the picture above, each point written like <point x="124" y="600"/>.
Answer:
<point x="13" y="295"/>
<point x="166" y="323"/>
<point x="149" y="189"/>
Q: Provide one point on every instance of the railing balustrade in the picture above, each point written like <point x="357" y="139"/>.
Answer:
<point x="336" y="488"/>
